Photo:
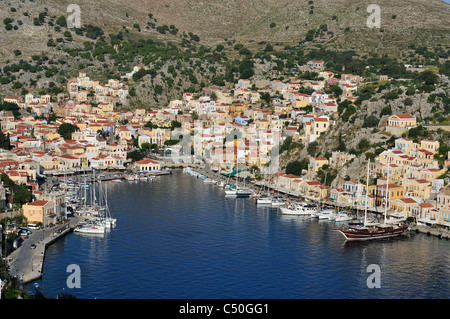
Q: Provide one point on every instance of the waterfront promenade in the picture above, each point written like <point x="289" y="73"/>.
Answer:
<point x="26" y="263"/>
<point x="373" y="213"/>
<point x="260" y="188"/>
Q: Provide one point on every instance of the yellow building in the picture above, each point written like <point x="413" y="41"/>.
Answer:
<point x="395" y="191"/>
<point x="430" y="174"/>
<point x="68" y="162"/>
<point x="319" y="192"/>
<point x="429" y="145"/>
<point x="418" y="188"/>
<point x="237" y="109"/>
<point x="144" y="139"/>
<point x="403" y="205"/>
<point x="106" y="107"/>
<point x="402" y="120"/>
<point x="36" y="211"/>
<point x="147" y="165"/>
<point x="305" y="187"/>
<point x="319" y="126"/>
<point x="315" y="163"/>
<point x="81" y="96"/>
<point x="405" y="145"/>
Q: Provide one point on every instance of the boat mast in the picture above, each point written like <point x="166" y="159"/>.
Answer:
<point x="85" y="195"/>
<point x="367" y="193"/>
<point x="387" y="191"/>
<point x="93" y="194"/>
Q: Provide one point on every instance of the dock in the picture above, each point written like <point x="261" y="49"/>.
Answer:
<point x="26" y="264"/>
<point x="431" y="231"/>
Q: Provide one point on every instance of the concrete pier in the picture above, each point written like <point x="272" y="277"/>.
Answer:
<point x="27" y="263"/>
<point x="438" y="232"/>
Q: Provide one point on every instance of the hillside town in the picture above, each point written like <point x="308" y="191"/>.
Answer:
<point x="83" y="129"/>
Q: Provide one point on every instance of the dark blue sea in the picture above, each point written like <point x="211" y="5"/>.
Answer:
<point x="180" y="238"/>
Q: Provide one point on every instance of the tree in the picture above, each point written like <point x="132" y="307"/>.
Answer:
<point x="371" y="121"/>
<point x="135" y="155"/>
<point x="428" y="77"/>
<point x="310" y="35"/>
<point x="363" y="144"/>
<point x="386" y="111"/>
<point x="296" y="167"/>
<point x="66" y="130"/>
<point x="22" y="194"/>
<point x="286" y="144"/>
<point x="341" y="147"/>
<point x="349" y="111"/>
<point x="254" y="169"/>
<point x="145" y="147"/>
<point x="411" y="90"/>
<point x="408" y="101"/>
<point x="313" y="148"/>
<point x="61" y="21"/>
<point x="4" y="141"/>
<point x="174" y="124"/>
<point x="150" y="125"/>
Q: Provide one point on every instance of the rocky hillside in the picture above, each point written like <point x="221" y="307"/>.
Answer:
<point x="216" y="21"/>
<point x="367" y="138"/>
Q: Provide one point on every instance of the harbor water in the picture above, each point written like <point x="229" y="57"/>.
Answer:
<point x="180" y="238"/>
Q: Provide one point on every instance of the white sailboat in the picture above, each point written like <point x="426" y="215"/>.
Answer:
<point x="243" y="191"/>
<point x="90" y="228"/>
<point x="99" y="214"/>
<point x="264" y="199"/>
<point x="326" y="213"/>
<point x="108" y="220"/>
<point x="342" y="217"/>
<point x="230" y="191"/>
<point x="298" y="208"/>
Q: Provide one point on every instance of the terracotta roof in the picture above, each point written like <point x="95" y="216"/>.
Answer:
<point x="38" y="203"/>
<point x="147" y="161"/>
<point x="408" y="200"/>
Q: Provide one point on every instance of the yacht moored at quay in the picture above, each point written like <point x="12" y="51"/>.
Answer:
<point x="356" y="229"/>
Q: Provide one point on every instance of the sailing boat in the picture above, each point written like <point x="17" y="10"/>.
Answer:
<point x="92" y="226"/>
<point x="107" y="220"/>
<point x="243" y="192"/>
<point x="374" y="231"/>
<point x="230" y="190"/>
<point x="325" y="212"/>
<point x="265" y="199"/>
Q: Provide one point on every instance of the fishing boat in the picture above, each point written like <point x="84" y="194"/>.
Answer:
<point x="116" y="181"/>
<point x="375" y="230"/>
